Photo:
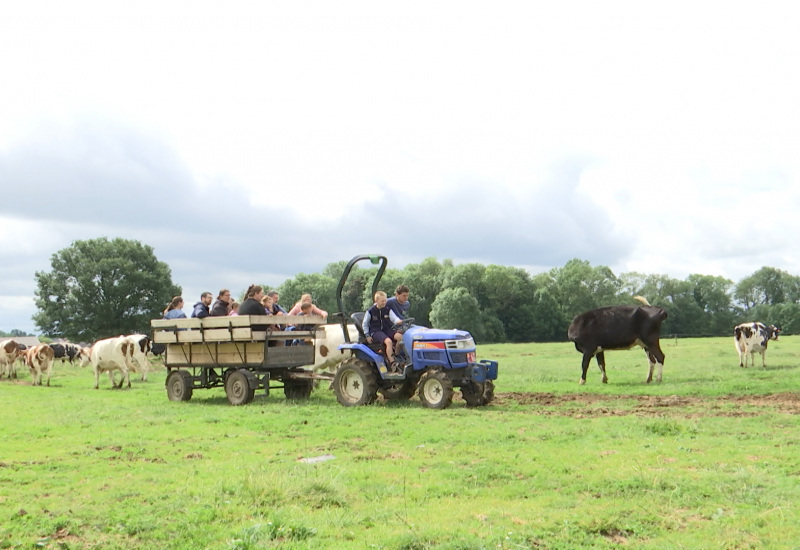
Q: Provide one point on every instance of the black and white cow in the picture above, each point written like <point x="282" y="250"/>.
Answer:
<point x="750" y="338"/>
<point x="66" y="351"/>
<point x="615" y="328"/>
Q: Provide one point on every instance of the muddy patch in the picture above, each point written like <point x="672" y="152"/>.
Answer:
<point x="582" y="405"/>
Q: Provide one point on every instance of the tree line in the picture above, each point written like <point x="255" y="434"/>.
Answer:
<point x="508" y="304"/>
<point x="100" y="288"/>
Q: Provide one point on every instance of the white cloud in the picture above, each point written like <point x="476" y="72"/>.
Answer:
<point x="650" y="138"/>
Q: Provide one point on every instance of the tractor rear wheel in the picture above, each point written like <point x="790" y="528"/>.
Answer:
<point x="355" y="383"/>
<point x="478" y="394"/>
<point x="435" y="389"/>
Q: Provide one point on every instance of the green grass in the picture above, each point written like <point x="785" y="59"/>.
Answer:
<point x="707" y="459"/>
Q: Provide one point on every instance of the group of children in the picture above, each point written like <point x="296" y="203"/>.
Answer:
<point x="379" y="325"/>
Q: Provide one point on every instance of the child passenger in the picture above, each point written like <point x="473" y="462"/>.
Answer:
<point x="378" y="325"/>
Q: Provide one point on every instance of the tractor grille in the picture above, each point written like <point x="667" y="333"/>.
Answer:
<point x="458" y="357"/>
<point x="432" y="355"/>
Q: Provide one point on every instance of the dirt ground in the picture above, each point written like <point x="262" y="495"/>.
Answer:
<point x="581" y="405"/>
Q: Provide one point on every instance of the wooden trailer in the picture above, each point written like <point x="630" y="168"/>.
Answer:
<point x="240" y="353"/>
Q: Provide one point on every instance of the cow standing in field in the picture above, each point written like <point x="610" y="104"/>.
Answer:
<point x="9" y="351"/>
<point x="750" y="338"/>
<point x="121" y="353"/>
<point x="40" y="360"/>
<point x="618" y="328"/>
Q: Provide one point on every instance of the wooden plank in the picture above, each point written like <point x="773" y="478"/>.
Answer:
<point x="235" y="321"/>
<point x="164" y="337"/>
<point x="237" y="353"/>
<point x="218" y="322"/>
<point x="175" y="323"/>
<point x="189" y="335"/>
<point x="208" y="354"/>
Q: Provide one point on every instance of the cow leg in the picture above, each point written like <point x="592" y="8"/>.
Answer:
<point x="49" y="372"/>
<point x="655" y="357"/>
<point x="587" y="357"/>
<point x="763" y="358"/>
<point x="96" y="378"/>
<point x="601" y="362"/>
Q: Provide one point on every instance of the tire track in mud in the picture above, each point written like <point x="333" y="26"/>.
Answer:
<point x="587" y="405"/>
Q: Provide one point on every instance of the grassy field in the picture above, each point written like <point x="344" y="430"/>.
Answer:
<point x="707" y="459"/>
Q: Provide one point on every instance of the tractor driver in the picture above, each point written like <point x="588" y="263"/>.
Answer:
<point x="378" y="325"/>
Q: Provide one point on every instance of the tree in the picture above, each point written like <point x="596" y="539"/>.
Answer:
<point x="425" y="281"/>
<point x="321" y="287"/>
<point x="100" y="288"/>
<point x="456" y="308"/>
<point x="582" y="287"/>
<point x="767" y="286"/>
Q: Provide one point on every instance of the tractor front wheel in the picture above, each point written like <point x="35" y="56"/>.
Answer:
<point x="478" y="394"/>
<point x="435" y="389"/>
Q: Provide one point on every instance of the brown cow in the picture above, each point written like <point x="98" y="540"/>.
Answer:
<point x="40" y="360"/>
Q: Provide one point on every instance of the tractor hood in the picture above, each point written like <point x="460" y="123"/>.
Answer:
<point x="423" y="333"/>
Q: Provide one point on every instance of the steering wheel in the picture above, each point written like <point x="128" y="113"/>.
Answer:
<point x="404" y="325"/>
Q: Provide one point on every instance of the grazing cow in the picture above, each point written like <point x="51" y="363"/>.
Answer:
<point x="85" y="356"/>
<point x="120" y="353"/>
<point x="750" y="338"/>
<point x="40" y="360"/>
<point x="9" y="351"/>
<point x="616" y="328"/>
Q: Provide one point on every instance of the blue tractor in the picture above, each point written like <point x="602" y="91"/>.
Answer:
<point x="432" y="361"/>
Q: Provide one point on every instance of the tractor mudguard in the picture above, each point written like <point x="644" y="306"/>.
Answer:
<point x="362" y="351"/>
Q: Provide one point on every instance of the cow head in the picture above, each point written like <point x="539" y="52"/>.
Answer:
<point x="85" y="356"/>
<point x="144" y="345"/>
<point x="773" y="332"/>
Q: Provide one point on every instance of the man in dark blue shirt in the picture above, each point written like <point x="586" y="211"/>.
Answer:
<point x="200" y="309"/>
<point x="399" y="302"/>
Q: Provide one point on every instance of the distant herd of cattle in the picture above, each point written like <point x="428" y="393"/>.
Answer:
<point x="593" y="333"/>
<point x="121" y="353"/>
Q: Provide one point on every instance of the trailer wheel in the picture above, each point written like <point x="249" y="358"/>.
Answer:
<point x="478" y="394"/>
<point x="298" y="389"/>
<point x="355" y="383"/>
<point x="179" y="386"/>
<point x="435" y="389"/>
<point x="238" y="387"/>
<point x="401" y="391"/>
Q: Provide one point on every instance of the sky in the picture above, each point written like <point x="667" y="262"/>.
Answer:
<point x="247" y="142"/>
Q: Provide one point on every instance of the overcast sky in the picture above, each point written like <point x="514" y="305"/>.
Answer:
<point x="251" y="141"/>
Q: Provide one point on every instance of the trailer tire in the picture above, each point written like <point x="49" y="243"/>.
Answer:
<point x="435" y="389"/>
<point x="240" y="387"/>
<point x="477" y="394"/>
<point x="298" y="389"/>
<point x="355" y="383"/>
<point x="179" y="385"/>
